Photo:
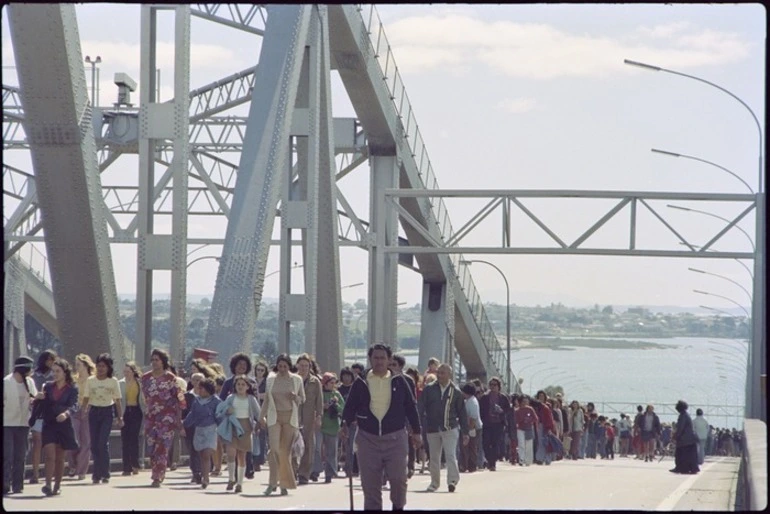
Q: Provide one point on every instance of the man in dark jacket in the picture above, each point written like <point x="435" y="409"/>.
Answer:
<point x="493" y="406"/>
<point x="380" y="404"/>
<point x="442" y="411"/>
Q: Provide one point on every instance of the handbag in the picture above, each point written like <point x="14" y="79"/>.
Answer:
<point x="37" y="412"/>
<point x="298" y="445"/>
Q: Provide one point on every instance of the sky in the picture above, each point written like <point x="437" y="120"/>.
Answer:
<point x="521" y="97"/>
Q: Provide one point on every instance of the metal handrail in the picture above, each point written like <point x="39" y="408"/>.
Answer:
<point x="413" y="138"/>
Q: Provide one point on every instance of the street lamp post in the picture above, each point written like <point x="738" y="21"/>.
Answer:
<point x="687" y="209"/>
<point x="94" y="70"/>
<point x="507" y="319"/>
<point x="724" y="278"/>
<point x="755" y="389"/>
<point x="724" y="298"/>
<point x="532" y="378"/>
<point x="674" y="154"/>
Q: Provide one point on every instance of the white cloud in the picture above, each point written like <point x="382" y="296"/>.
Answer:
<point x="665" y="30"/>
<point x="541" y="51"/>
<point x="126" y="55"/>
<point x="517" y="105"/>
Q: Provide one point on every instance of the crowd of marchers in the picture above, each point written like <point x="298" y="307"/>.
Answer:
<point x="380" y="422"/>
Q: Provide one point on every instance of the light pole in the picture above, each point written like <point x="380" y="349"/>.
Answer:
<point x="743" y="351"/>
<point x="94" y="70"/>
<point x="687" y="209"/>
<point x="674" y="154"/>
<point x="724" y="298"/>
<point x="507" y="319"/>
<point x="203" y="258"/>
<point x="532" y="378"/>
<point x="736" y="260"/>
<point x="723" y="278"/>
<point x="756" y="386"/>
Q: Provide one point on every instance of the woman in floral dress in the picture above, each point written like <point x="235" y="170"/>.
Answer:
<point x="163" y="398"/>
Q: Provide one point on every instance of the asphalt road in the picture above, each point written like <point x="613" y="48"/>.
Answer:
<point x="564" y="485"/>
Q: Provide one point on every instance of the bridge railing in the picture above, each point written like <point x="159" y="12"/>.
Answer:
<point x="413" y="137"/>
<point x="36" y="261"/>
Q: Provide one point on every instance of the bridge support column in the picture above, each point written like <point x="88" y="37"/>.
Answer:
<point x="311" y="206"/>
<point x="57" y="122"/>
<point x="383" y="277"/>
<point x="265" y="162"/>
<point x="436" y="318"/>
<point x="168" y="120"/>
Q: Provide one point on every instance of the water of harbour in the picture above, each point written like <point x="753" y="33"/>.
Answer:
<point x="686" y="369"/>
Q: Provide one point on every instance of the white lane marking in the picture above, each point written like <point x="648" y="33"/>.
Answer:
<point x="672" y="499"/>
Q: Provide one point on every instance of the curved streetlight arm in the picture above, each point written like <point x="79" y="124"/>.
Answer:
<point x="507" y="318"/>
<point x="724" y="278"/>
<point x="724" y="298"/>
<point x="532" y="378"/>
<point x="202" y="258"/>
<point x="532" y="366"/>
<point x="706" y="213"/>
<point x="731" y="368"/>
<point x="736" y="260"/>
<point x="674" y="154"/>
<point x="754" y="116"/>
<point x="736" y="355"/>
<point x="743" y="350"/>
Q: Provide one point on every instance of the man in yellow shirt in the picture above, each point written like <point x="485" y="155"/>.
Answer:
<point x="380" y="404"/>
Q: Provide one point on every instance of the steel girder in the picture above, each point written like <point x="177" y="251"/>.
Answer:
<point x="514" y="198"/>
<point x="57" y="120"/>
<point x="169" y="120"/>
<point x="264" y="161"/>
<point x="247" y="17"/>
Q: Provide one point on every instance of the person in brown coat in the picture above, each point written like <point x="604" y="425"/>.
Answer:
<point x="309" y="415"/>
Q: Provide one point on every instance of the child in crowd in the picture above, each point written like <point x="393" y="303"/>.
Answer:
<point x="330" y="423"/>
<point x="601" y="436"/>
<point x="202" y="417"/>
<point x="609" y="452"/>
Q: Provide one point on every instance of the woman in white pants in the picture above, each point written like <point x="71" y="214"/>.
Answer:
<point x="526" y="421"/>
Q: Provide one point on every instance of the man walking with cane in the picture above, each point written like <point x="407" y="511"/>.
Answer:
<point x="380" y="404"/>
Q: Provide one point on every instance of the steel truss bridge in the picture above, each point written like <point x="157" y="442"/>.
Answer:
<point x="278" y="167"/>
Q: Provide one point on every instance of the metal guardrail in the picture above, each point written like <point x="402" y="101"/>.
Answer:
<point x="36" y="261"/>
<point x="411" y="133"/>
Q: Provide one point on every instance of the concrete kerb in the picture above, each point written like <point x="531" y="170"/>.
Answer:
<point x="754" y="472"/>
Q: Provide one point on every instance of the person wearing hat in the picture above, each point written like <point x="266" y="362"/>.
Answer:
<point x="18" y="391"/>
<point x="330" y="423"/>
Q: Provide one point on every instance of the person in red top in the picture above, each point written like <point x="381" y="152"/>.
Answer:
<point x="526" y="420"/>
<point x="610" y="435"/>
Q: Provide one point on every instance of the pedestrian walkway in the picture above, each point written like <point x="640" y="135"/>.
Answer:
<point x="620" y="484"/>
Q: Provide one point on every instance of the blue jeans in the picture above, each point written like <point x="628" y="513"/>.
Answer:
<point x="591" y="446"/>
<point x="100" y="425"/>
<point x="541" y="455"/>
<point x="583" y="445"/>
<point x="601" y="445"/>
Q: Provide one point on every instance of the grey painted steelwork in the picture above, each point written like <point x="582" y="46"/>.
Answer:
<point x="157" y="121"/>
<point x="238" y="291"/>
<point x="57" y="121"/>
<point x="13" y="312"/>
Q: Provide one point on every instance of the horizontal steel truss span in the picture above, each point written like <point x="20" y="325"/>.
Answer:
<point x="506" y="200"/>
